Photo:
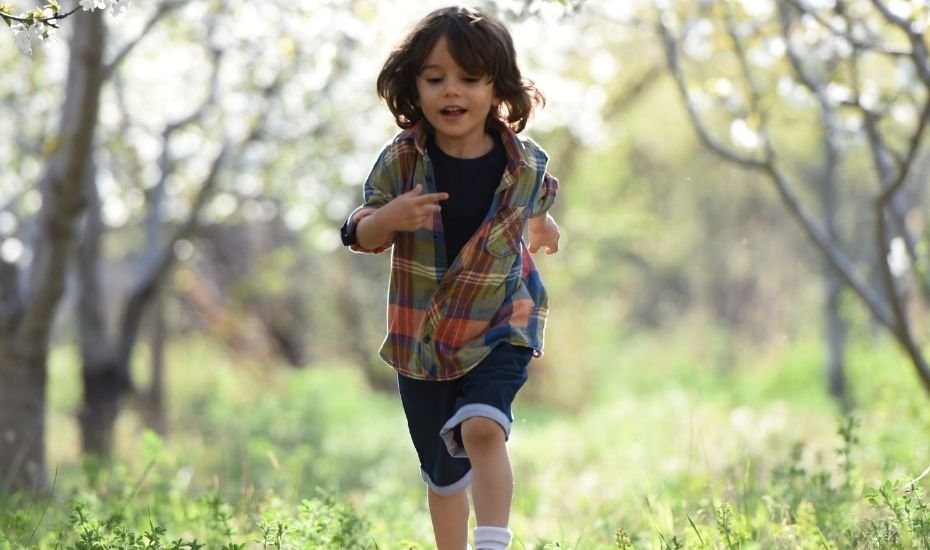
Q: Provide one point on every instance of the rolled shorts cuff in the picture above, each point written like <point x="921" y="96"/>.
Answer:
<point x="447" y="490"/>
<point x="472" y="410"/>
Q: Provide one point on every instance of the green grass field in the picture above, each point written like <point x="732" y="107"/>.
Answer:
<point x="642" y="445"/>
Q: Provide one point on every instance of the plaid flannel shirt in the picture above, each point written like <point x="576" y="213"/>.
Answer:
<point x="443" y="320"/>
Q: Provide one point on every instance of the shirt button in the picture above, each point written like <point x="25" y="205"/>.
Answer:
<point x="427" y="339"/>
<point x="435" y="236"/>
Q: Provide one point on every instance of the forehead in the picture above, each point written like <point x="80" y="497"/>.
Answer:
<point x="439" y="56"/>
<point x="455" y="53"/>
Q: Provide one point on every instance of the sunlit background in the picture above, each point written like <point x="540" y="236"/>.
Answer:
<point x="735" y="348"/>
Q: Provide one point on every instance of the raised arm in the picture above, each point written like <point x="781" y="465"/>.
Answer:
<point x="407" y="212"/>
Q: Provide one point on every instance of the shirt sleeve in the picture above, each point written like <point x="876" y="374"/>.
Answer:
<point x="545" y="195"/>
<point x="379" y="189"/>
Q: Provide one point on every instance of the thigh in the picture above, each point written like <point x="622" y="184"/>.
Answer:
<point x="427" y="406"/>
<point x="497" y="379"/>
<point x="488" y="391"/>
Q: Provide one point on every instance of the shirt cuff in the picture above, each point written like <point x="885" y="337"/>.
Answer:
<point x="354" y="218"/>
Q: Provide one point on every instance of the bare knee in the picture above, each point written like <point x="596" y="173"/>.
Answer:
<point x="480" y="432"/>
<point x="433" y="496"/>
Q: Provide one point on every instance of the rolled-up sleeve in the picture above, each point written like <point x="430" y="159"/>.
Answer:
<point x="379" y="189"/>
<point x="545" y="195"/>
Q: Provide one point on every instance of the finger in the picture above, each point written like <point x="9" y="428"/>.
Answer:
<point x="552" y="250"/>
<point x="534" y="248"/>
<point x="432" y="197"/>
<point x="415" y="191"/>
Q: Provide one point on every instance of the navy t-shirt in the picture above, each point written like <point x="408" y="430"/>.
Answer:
<point x="471" y="184"/>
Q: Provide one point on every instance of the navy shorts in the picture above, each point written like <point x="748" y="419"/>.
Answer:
<point x="435" y="412"/>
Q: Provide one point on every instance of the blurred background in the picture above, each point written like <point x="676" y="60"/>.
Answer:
<point x="738" y="329"/>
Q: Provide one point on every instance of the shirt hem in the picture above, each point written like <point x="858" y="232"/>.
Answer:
<point x="418" y="375"/>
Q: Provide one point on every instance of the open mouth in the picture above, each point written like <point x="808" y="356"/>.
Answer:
<point x="452" y="111"/>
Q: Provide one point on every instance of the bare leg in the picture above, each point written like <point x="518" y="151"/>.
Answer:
<point x="450" y="519"/>
<point x="492" y="478"/>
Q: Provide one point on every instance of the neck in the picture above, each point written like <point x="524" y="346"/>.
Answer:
<point x="466" y="149"/>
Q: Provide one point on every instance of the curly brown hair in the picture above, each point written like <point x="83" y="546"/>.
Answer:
<point x="480" y="44"/>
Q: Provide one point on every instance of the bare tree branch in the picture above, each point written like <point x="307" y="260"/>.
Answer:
<point x="892" y="169"/>
<point x="880" y="48"/>
<point x="153" y="219"/>
<point x="671" y="51"/>
<point x="145" y="288"/>
<point x="754" y="93"/>
<point x="815" y="232"/>
<point x="159" y="256"/>
<point x="48" y="20"/>
<point x="836" y="326"/>
<point x="882" y="206"/>
<point x="623" y="101"/>
<point x="918" y="47"/>
<point x="163" y="10"/>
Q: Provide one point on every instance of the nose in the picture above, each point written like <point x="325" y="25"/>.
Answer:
<point x="451" y="89"/>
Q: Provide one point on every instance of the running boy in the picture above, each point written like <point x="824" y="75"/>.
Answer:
<point x="453" y="193"/>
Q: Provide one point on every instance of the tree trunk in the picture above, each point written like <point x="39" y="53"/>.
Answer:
<point x="154" y="400"/>
<point x="104" y="385"/>
<point x="836" y="341"/>
<point x="25" y="342"/>
<point x="22" y="422"/>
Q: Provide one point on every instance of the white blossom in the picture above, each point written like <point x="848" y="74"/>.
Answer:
<point x="47" y="34"/>
<point x="91" y="5"/>
<point x="23" y="35"/>
<point x="22" y="38"/>
<point x="744" y="136"/>
<point x="118" y="7"/>
<point x="898" y="259"/>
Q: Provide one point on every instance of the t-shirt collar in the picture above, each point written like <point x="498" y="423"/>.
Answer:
<point x="512" y="145"/>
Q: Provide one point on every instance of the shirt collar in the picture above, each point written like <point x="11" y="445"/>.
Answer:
<point x="513" y="147"/>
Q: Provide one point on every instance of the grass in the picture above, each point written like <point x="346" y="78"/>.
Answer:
<point x="669" y="456"/>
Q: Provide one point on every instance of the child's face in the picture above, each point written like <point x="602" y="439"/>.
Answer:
<point x="455" y="103"/>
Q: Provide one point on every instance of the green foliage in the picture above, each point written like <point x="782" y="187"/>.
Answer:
<point x="683" y="456"/>
<point x="910" y="524"/>
<point x="95" y="524"/>
<point x="624" y="540"/>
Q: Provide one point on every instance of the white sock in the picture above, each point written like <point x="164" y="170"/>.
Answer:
<point x="492" y="538"/>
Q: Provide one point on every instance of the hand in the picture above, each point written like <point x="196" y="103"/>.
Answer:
<point x="543" y="232"/>
<point x="410" y="211"/>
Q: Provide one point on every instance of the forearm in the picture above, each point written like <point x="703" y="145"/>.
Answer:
<point x="371" y="230"/>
